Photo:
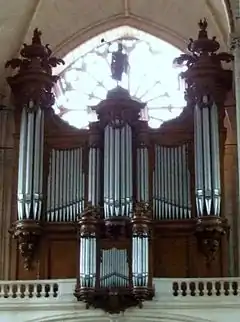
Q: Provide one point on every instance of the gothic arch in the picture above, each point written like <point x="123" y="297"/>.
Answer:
<point x="147" y="26"/>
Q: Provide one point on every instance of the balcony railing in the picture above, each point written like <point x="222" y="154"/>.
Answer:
<point x="62" y="290"/>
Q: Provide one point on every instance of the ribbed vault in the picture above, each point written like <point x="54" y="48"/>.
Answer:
<point x="65" y="24"/>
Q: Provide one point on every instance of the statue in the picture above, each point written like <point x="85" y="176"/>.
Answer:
<point x="119" y="64"/>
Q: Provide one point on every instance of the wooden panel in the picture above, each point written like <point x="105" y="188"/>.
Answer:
<point x="170" y="257"/>
<point x="62" y="261"/>
<point x="176" y="252"/>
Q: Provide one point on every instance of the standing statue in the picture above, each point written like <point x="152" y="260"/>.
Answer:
<point x="119" y="64"/>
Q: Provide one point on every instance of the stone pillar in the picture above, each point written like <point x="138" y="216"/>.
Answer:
<point x="235" y="46"/>
<point x="6" y="171"/>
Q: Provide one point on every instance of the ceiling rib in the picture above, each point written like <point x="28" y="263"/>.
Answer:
<point x="27" y="26"/>
<point x="126" y="8"/>
<point x="217" y="22"/>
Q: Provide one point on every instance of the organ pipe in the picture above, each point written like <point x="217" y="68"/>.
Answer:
<point x="88" y="261"/>
<point x="94" y="176"/>
<point x="140" y="245"/>
<point x="171" y="183"/>
<point x="88" y="248"/>
<point x="207" y="162"/>
<point x="114" y="269"/>
<point x="65" y="200"/>
<point x="30" y="169"/>
<point x="216" y="182"/>
<point x="140" y="260"/>
<point x="118" y="189"/>
<point x="142" y="175"/>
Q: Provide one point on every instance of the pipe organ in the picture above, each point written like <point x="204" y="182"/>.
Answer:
<point x="171" y="183"/>
<point x="119" y="183"/>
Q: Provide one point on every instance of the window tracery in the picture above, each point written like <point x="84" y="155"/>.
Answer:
<point x="150" y="78"/>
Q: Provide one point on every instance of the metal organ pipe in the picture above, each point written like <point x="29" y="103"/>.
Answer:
<point x="140" y="260"/>
<point x="207" y="162"/>
<point x="114" y="269"/>
<point x="171" y="183"/>
<point x="118" y="188"/>
<point x="198" y="143"/>
<point x="142" y="175"/>
<point x="66" y="179"/>
<point x="94" y="176"/>
<point x="30" y="167"/>
<point x="215" y="159"/>
<point x="88" y="260"/>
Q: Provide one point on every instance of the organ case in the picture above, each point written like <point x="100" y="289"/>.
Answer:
<point x="111" y="175"/>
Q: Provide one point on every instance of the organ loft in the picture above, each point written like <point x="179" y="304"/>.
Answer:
<point x="118" y="203"/>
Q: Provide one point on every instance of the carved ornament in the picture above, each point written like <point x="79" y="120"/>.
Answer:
<point x="204" y="74"/>
<point x="141" y="219"/>
<point x="33" y="80"/>
<point x="113" y="301"/>
<point x="27" y="233"/>
<point x="209" y="232"/>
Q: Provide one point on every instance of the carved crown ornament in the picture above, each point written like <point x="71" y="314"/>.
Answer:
<point x="33" y="80"/>
<point x="204" y="74"/>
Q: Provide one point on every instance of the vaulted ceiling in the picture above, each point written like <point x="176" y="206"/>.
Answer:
<point x="67" y="23"/>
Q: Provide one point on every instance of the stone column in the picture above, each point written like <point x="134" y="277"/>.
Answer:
<point x="235" y="46"/>
<point x="6" y="171"/>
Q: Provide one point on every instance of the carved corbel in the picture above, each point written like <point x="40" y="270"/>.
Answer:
<point x="209" y="232"/>
<point x="27" y="234"/>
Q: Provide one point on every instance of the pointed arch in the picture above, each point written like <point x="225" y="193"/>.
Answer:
<point x="165" y="33"/>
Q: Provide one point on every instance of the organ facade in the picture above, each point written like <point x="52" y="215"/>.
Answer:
<point x="119" y="203"/>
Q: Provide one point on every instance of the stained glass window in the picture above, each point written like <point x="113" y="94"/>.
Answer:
<point x="86" y="77"/>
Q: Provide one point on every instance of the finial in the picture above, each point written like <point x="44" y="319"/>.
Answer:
<point x="203" y="24"/>
<point x="36" y="39"/>
<point x="203" y="29"/>
<point x="33" y="69"/>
